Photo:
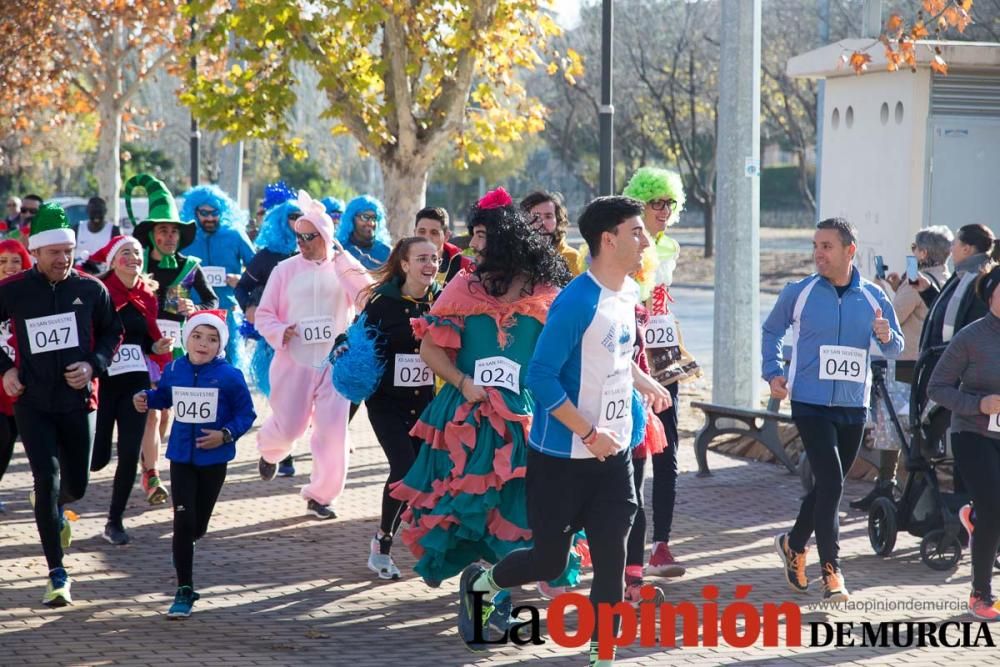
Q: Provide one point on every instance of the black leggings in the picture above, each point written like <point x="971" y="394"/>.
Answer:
<point x="115" y="405"/>
<point x="58" y="447"/>
<point x="8" y="435"/>
<point x="978" y="457"/>
<point x="194" y="491"/>
<point x="636" y="549"/>
<point x="393" y="433"/>
<point x="564" y="495"/>
<point x="831" y="447"/>
<point x="665" y="474"/>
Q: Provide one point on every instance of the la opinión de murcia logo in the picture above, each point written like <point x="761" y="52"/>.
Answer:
<point x="738" y="624"/>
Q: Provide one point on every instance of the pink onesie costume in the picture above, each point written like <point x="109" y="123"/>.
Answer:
<point x="319" y="297"/>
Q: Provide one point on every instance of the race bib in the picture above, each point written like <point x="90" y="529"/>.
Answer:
<point x="994" y="422"/>
<point x="498" y="372"/>
<point x="195" y="406"/>
<point x="5" y="335"/>
<point x="315" y="330"/>
<point x="661" y="331"/>
<point x="215" y="276"/>
<point x="55" y="332"/>
<point x="616" y="401"/>
<point x="171" y="329"/>
<point x="128" y="359"/>
<point x="839" y="362"/>
<point x="411" y="371"/>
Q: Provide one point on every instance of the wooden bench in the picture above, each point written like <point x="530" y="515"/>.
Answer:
<point x="761" y="425"/>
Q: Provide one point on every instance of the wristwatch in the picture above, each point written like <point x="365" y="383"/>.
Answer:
<point x="227" y="436"/>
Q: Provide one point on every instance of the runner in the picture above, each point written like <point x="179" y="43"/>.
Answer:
<point x="363" y="233"/>
<point x="214" y="409"/>
<point x="13" y="260"/>
<point x="404" y="288"/>
<point x="579" y="469"/>
<point x="549" y="217"/>
<point x="65" y="333"/>
<point x="162" y="235"/>
<point x="221" y="243"/>
<point x="835" y="316"/>
<point x="129" y="372"/>
<point x="432" y="224"/>
<point x="307" y="302"/>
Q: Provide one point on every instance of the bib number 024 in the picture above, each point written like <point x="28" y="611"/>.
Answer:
<point x="498" y="372"/>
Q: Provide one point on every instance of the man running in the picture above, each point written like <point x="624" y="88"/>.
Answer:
<point x="579" y="470"/>
<point x="65" y="333"/>
<point x="836" y="316"/>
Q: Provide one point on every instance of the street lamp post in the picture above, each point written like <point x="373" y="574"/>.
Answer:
<point x="607" y="110"/>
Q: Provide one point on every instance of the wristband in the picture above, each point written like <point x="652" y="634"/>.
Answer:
<point x="590" y="437"/>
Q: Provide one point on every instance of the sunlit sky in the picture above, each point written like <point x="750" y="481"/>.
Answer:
<point x="569" y="12"/>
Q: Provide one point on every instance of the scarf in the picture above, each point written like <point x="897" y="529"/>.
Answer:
<point x="142" y="299"/>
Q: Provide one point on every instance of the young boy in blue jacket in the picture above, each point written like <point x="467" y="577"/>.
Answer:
<point x="212" y="409"/>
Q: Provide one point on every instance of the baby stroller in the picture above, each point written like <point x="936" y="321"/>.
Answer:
<point x="921" y="508"/>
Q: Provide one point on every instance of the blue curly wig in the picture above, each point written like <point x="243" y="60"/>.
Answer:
<point x="209" y="195"/>
<point x="333" y="205"/>
<point x="275" y="234"/>
<point x="360" y="205"/>
<point x="276" y="193"/>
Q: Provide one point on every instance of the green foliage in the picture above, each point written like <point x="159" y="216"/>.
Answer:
<point x="139" y="159"/>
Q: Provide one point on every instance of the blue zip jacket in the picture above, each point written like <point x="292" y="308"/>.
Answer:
<point x="227" y="247"/>
<point x="234" y="408"/>
<point x="818" y="317"/>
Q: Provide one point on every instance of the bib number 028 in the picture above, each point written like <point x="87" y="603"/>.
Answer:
<point x="661" y="331"/>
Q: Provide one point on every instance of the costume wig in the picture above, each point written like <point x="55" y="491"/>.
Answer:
<point x="333" y="205"/>
<point x="276" y="234"/>
<point x="209" y="195"/>
<point x="514" y="248"/>
<point x="361" y="205"/>
<point x="650" y="183"/>
<point x="17" y="248"/>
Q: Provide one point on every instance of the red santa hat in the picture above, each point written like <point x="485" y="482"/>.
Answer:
<point x="107" y="254"/>
<point x="211" y="318"/>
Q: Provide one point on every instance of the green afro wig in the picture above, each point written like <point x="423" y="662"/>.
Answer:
<point x="651" y="183"/>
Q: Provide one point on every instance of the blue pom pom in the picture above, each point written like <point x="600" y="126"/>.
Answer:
<point x="260" y="366"/>
<point x="638" y="420"/>
<point x="277" y="193"/>
<point x="357" y="372"/>
<point x="249" y="331"/>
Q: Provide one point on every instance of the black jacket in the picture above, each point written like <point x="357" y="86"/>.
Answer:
<point x="29" y="295"/>
<point x="194" y="281"/>
<point x="251" y="286"/>
<point x="970" y="308"/>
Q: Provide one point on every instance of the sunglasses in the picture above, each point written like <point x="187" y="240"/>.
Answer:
<point x="367" y="217"/>
<point x="207" y="212"/>
<point x="32" y="211"/>
<point x="660" y="204"/>
<point x="307" y="237"/>
<point x="292" y="217"/>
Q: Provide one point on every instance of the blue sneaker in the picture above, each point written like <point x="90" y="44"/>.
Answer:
<point x="286" y="467"/>
<point x="503" y="607"/>
<point x="468" y="621"/>
<point x="57" y="589"/>
<point x="183" y="602"/>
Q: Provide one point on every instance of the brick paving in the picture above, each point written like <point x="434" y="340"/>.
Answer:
<point x="280" y="588"/>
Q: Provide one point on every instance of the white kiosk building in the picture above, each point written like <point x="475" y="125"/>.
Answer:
<point x="904" y="150"/>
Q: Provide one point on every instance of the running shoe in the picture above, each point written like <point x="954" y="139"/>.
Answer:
<point x="319" y="510"/>
<point x="156" y="493"/>
<point x="114" y="532"/>
<point x="795" y="564"/>
<point x="382" y="564"/>
<point x="967" y="521"/>
<point x="267" y="470"/>
<point x="550" y="592"/>
<point x="286" y="468"/>
<point x="662" y="563"/>
<point x="834" y="588"/>
<point x="57" y="589"/>
<point x="503" y="608"/>
<point x="984" y="608"/>
<point x="183" y="603"/>
<point x="633" y="593"/>
<point x="469" y="623"/>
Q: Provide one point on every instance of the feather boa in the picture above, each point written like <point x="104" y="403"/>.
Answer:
<point x="358" y="371"/>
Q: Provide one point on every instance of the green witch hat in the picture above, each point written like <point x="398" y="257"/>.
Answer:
<point x="162" y="208"/>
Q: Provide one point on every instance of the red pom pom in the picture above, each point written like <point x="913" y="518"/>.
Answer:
<point x="495" y="199"/>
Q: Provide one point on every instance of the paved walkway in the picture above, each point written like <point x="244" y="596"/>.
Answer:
<point x="282" y="589"/>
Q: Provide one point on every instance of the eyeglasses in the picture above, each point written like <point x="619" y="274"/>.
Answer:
<point x="207" y="212"/>
<point x="292" y="217"/>
<point x="366" y="217"/>
<point x="660" y="204"/>
<point x="307" y="237"/>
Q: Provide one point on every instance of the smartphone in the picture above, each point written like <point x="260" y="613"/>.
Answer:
<point x="880" y="267"/>
<point x="911" y="268"/>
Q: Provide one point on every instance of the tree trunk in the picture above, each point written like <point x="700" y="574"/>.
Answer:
<point x="108" y="169"/>
<point x="405" y="194"/>
<point x="709" y="228"/>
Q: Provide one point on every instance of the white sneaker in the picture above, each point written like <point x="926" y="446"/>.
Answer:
<point x="382" y="564"/>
